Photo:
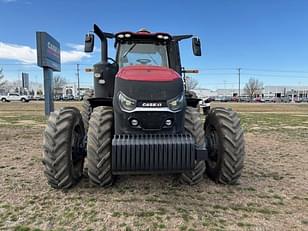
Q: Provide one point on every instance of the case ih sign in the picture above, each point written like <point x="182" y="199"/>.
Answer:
<point x="48" y="51"/>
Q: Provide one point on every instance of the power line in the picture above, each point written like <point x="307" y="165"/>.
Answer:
<point x="282" y="71"/>
<point x="256" y="69"/>
<point x="218" y="73"/>
<point x="201" y="69"/>
<point x="218" y="69"/>
<point x="279" y="76"/>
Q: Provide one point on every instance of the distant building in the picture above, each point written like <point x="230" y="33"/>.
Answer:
<point x="230" y="92"/>
<point x="205" y="93"/>
<point x="285" y="91"/>
<point x="2" y="91"/>
<point x="25" y="80"/>
<point x="266" y="92"/>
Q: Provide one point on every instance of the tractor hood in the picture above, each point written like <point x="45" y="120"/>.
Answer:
<point x="148" y="89"/>
<point x="148" y="73"/>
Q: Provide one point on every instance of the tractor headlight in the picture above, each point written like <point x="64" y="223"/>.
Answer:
<point x="126" y="103"/>
<point x="176" y="103"/>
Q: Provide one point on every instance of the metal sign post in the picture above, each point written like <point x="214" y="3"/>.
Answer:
<point x="49" y="105"/>
<point x="48" y="57"/>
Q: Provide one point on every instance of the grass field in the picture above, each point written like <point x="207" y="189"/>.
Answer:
<point x="272" y="194"/>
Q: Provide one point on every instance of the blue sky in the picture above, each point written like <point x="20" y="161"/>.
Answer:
<point x="267" y="38"/>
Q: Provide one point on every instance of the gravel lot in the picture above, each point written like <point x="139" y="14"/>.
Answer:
<point x="272" y="194"/>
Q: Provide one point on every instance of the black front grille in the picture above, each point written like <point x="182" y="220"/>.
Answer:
<point x="152" y="153"/>
<point x="152" y="120"/>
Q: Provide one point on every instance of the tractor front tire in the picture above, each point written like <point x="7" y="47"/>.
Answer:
<point x="226" y="146"/>
<point x="194" y="126"/>
<point x="99" y="146"/>
<point x="86" y="108"/>
<point x="64" y="148"/>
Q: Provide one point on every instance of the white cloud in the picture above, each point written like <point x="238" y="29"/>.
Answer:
<point x="78" y="47"/>
<point x="26" y="54"/>
<point x="73" y="56"/>
<point x="16" y="52"/>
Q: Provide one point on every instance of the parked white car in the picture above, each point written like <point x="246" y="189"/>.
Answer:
<point x="14" y="97"/>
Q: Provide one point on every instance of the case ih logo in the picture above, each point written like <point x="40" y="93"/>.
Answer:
<point x="53" y="49"/>
<point x="152" y="104"/>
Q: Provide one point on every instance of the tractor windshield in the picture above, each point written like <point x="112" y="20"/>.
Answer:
<point x="142" y="54"/>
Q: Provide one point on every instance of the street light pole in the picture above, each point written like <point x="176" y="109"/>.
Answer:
<point x="239" y="84"/>
<point x="78" y="85"/>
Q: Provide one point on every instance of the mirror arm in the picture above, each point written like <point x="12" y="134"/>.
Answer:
<point x="181" y="37"/>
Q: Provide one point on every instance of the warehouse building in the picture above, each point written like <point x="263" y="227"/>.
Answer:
<point x="266" y="92"/>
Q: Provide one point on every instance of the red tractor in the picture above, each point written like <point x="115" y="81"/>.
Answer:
<point x="141" y="120"/>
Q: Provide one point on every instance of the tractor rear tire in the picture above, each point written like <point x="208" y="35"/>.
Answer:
<point x="226" y="145"/>
<point x="194" y="126"/>
<point x="99" y="147"/>
<point x="64" y="148"/>
<point x="86" y="109"/>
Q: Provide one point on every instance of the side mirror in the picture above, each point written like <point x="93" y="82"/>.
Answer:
<point x="196" y="45"/>
<point x="89" y="43"/>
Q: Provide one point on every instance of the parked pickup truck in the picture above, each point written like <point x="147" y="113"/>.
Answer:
<point x="14" y="97"/>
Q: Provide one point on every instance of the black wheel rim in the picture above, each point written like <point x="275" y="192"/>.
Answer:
<point x="212" y="146"/>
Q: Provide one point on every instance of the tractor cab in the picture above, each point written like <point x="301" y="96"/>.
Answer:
<point x="154" y="49"/>
<point x="142" y="48"/>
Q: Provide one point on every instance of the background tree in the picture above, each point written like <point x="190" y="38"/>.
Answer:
<point x="39" y="92"/>
<point x="253" y="87"/>
<point x="191" y="83"/>
<point x="2" y="82"/>
<point x="58" y="81"/>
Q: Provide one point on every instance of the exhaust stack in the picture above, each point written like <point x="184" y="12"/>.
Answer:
<point x="104" y="44"/>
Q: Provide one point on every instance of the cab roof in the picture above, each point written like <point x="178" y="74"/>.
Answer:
<point x="142" y="34"/>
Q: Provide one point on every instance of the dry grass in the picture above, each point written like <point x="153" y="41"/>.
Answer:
<point x="265" y="107"/>
<point x="272" y="194"/>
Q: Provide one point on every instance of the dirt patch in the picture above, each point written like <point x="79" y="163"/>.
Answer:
<point x="265" y="107"/>
<point x="3" y="122"/>
<point x="26" y="122"/>
<point x="295" y="127"/>
<point x="272" y="194"/>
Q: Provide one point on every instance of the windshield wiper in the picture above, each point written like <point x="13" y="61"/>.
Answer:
<point x="129" y="50"/>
